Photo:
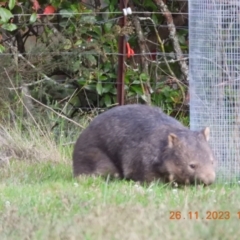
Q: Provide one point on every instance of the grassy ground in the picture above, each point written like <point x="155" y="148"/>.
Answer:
<point x="39" y="199"/>
<point x="43" y="201"/>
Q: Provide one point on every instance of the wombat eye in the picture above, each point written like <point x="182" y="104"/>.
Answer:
<point x="192" y="165"/>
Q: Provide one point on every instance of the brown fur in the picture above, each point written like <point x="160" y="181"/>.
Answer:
<point x="142" y="143"/>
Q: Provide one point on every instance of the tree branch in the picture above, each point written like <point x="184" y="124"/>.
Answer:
<point x="172" y="35"/>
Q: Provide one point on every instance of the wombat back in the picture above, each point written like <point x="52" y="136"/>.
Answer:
<point x="142" y="143"/>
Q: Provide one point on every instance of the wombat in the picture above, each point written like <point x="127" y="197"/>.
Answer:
<point x="141" y="143"/>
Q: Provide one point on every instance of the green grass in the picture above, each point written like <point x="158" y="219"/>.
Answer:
<point x="39" y="199"/>
<point x="43" y="201"/>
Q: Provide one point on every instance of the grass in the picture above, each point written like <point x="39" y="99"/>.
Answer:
<point x="43" y="201"/>
<point x="39" y="199"/>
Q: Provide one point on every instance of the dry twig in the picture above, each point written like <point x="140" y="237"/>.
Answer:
<point x="142" y="46"/>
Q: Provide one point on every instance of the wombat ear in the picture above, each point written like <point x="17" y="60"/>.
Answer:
<point x="206" y="133"/>
<point x="172" y="140"/>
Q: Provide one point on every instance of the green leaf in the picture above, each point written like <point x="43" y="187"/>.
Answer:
<point x="107" y="100"/>
<point x="108" y="27"/>
<point x="184" y="47"/>
<point x="149" y="4"/>
<point x="113" y="91"/>
<point x="143" y="77"/>
<point x="9" y="26"/>
<point x="99" y="88"/>
<point x="103" y="78"/>
<point x="112" y="5"/>
<point x="90" y="87"/>
<point x="2" y="48"/>
<point x="90" y="60"/>
<point x="78" y="43"/>
<point x="181" y="39"/>
<point x="136" y="82"/>
<point x="74" y="8"/>
<point x="88" y="19"/>
<point x="67" y="44"/>
<point x="144" y="98"/>
<point x="76" y="65"/>
<point x="33" y="18"/>
<point x="112" y="75"/>
<point x="5" y="15"/>
<point x="137" y="89"/>
<point x="11" y="4"/>
<point x="97" y="30"/>
<point x="107" y="88"/>
<point x="155" y="18"/>
<point x="64" y="23"/>
<point x="66" y="13"/>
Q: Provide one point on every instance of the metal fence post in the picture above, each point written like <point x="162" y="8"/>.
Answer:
<point x="121" y="58"/>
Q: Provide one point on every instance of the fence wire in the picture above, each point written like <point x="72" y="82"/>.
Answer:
<point x="71" y="60"/>
<point x="214" y="53"/>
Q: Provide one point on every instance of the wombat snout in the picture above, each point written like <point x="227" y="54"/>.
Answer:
<point x="207" y="178"/>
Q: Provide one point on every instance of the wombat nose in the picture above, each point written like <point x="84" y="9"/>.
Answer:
<point x="209" y="178"/>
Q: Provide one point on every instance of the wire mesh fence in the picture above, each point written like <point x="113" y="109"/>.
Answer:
<point x="214" y="30"/>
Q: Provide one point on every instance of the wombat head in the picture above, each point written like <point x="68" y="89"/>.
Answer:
<point x="188" y="158"/>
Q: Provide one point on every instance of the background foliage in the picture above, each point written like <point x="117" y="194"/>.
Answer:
<point x="63" y="56"/>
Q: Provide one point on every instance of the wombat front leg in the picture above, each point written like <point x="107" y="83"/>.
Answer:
<point x="93" y="161"/>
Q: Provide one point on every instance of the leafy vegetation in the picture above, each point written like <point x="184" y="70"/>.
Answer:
<point x="68" y="56"/>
